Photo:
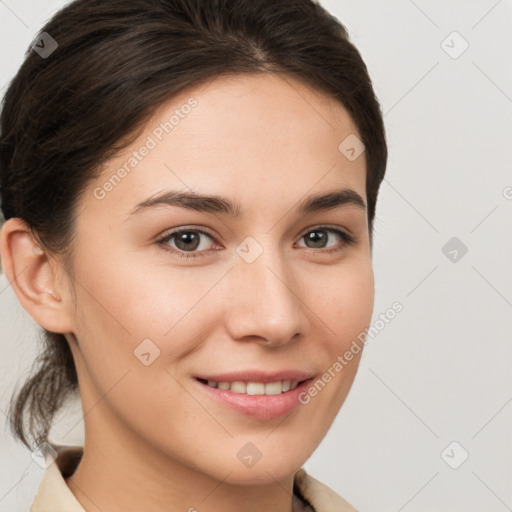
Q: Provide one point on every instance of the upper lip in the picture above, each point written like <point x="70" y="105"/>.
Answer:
<point x="258" y="376"/>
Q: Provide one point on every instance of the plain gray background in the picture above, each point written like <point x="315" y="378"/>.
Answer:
<point x="439" y="372"/>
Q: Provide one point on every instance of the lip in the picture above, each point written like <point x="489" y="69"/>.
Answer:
<point x="258" y="376"/>
<point x="257" y="406"/>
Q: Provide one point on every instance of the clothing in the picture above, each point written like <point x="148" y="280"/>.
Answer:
<point x="54" y="495"/>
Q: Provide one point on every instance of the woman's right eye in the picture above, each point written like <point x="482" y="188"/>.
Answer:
<point x="186" y="242"/>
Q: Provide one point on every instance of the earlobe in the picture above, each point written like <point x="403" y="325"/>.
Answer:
<point x="32" y="276"/>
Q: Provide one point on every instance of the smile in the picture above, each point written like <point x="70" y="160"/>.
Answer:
<point x="262" y="400"/>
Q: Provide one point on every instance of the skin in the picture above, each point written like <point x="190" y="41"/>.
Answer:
<point x="151" y="433"/>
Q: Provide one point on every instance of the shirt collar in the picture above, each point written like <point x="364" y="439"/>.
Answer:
<point x="54" y="494"/>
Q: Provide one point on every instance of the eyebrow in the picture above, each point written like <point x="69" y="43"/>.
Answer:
<point x="221" y="205"/>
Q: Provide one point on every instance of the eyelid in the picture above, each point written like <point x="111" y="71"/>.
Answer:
<point x="186" y="227"/>
<point x="206" y="231"/>
<point x="324" y="226"/>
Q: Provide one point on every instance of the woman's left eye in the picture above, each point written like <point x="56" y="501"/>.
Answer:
<point x="318" y="238"/>
<point x="187" y="243"/>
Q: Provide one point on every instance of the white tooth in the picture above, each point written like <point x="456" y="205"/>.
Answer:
<point x="273" y="388"/>
<point x="286" y="385"/>
<point x="255" y="388"/>
<point x="293" y="384"/>
<point x="212" y="383"/>
<point x="238" y="387"/>
<point x="223" y="385"/>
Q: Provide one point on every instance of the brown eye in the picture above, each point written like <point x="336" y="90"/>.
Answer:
<point x="318" y="238"/>
<point x="186" y="241"/>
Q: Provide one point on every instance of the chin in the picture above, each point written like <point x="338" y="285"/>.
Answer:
<point x="260" y="475"/>
<point x="262" y="467"/>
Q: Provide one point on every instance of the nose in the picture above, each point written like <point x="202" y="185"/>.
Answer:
<point x="265" y="302"/>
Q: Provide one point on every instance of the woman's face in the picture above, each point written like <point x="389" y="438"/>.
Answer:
<point x="271" y="294"/>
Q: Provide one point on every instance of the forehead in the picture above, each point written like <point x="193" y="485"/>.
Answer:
<point x="249" y="136"/>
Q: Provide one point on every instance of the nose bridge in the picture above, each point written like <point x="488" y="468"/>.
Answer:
<point x="265" y="302"/>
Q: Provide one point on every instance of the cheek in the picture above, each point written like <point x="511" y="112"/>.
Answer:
<point x="122" y="309"/>
<point x="128" y="302"/>
<point x="343" y="303"/>
<point x="118" y="309"/>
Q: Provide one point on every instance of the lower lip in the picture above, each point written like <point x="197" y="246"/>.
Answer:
<point x="259" y="406"/>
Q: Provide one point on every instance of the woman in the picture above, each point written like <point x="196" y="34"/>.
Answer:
<point x="189" y="191"/>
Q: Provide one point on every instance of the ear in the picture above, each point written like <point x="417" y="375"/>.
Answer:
<point x="32" y="276"/>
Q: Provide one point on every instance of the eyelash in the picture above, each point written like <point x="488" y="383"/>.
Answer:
<point x="347" y="239"/>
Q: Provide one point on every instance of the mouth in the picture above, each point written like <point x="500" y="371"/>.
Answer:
<point x="263" y="400"/>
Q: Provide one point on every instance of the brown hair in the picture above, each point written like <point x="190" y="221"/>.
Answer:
<point x="116" y="62"/>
